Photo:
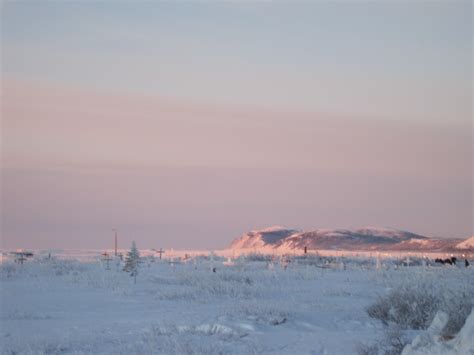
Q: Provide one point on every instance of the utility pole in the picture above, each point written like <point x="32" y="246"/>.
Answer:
<point x="115" y="231"/>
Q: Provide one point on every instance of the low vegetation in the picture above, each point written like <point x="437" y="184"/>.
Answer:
<point x="413" y="304"/>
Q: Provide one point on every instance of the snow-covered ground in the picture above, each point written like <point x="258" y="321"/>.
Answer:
<point x="248" y="305"/>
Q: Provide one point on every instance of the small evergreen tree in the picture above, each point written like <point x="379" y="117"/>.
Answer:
<point x="131" y="261"/>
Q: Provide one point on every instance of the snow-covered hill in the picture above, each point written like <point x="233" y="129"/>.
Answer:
<point x="368" y="238"/>
<point x="467" y="244"/>
<point x="269" y="237"/>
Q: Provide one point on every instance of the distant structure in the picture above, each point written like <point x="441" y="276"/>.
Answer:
<point x="161" y="251"/>
<point x="21" y="256"/>
<point x="107" y="259"/>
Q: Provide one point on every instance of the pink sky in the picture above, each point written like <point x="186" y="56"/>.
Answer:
<point x="77" y="163"/>
<point x="185" y="124"/>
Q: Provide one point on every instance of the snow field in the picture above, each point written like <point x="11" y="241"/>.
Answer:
<point x="313" y="306"/>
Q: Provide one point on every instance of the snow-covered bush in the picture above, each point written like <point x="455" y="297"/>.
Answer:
<point x="409" y="306"/>
<point x="66" y="267"/>
<point x="392" y="342"/>
<point x="209" y="257"/>
<point x="8" y="270"/>
<point x="413" y="305"/>
<point x="222" y="284"/>
<point x="204" y="338"/>
<point x="267" y="314"/>
<point x="43" y="268"/>
<point x="201" y="284"/>
<point x="255" y="257"/>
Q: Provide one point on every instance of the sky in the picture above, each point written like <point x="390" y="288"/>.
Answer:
<point x="186" y="124"/>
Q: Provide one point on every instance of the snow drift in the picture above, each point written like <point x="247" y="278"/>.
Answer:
<point x="429" y="342"/>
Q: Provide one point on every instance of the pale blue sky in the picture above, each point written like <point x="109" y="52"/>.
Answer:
<point x="186" y="124"/>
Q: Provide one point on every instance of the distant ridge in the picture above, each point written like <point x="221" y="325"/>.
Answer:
<point x="370" y="238"/>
